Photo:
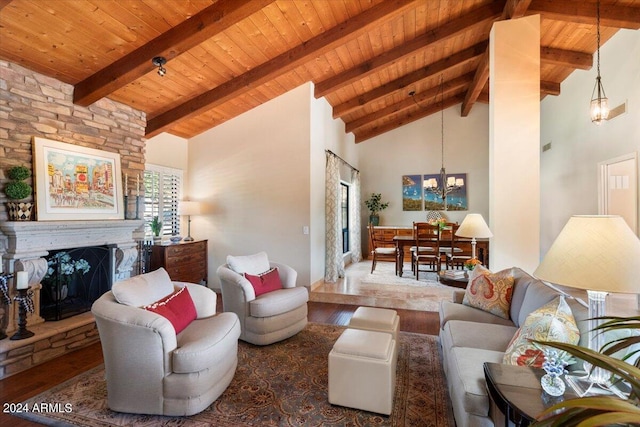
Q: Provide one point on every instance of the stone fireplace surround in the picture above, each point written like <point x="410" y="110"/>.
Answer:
<point x="25" y="244"/>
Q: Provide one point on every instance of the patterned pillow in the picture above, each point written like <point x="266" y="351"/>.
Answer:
<point x="553" y="321"/>
<point x="490" y="292"/>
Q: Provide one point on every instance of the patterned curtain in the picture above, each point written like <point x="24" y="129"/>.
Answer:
<point x="334" y="263"/>
<point x="354" y="207"/>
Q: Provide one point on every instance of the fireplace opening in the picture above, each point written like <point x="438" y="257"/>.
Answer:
<point x="75" y="279"/>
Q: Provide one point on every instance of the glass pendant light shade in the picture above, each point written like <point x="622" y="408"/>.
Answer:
<point x="599" y="103"/>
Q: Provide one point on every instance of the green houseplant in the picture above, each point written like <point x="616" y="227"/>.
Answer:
<point x="156" y="227"/>
<point x="601" y="410"/>
<point x="16" y="190"/>
<point x="375" y="205"/>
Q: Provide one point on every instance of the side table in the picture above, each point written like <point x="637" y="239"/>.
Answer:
<point x="517" y="393"/>
<point x="458" y="282"/>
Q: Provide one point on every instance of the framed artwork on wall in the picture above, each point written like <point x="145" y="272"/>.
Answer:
<point x="411" y="193"/>
<point x="75" y="182"/>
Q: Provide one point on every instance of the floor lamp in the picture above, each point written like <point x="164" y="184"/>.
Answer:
<point x="189" y="208"/>
<point x="599" y="254"/>
<point x="473" y="226"/>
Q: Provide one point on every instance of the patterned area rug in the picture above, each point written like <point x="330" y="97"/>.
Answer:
<point x="284" y="384"/>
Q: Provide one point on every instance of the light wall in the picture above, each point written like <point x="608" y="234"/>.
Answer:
<point x="569" y="170"/>
<point x="252" y="173"/>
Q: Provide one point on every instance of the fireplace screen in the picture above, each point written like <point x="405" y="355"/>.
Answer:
<point x="75" y="279"/>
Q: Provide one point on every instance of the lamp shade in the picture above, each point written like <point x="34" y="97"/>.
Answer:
<point x="189" y="208"/>
<point x="597" y="253"/>
<point x="474" y="225"/>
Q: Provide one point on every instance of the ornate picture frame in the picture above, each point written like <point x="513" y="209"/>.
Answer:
<point x="76" y="183"/>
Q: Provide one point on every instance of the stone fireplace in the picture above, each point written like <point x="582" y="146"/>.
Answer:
<point x="26" y="246"/>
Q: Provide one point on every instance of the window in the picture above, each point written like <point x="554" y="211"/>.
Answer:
<point x="344" y="188"/>
<point x="163" y="188"/>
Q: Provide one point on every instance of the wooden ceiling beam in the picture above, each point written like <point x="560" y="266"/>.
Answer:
<point x="431" y="95"/>
<point x="581" y="12"/>
<point x="466" y="22"/>
<point x="179" y="39"/>
<point x="408" y="118"/>
<point x="566" y="58"/>
<point x="513" y="9"/>
<point x="549" y="88"/>
<point x="280" y="65"/>
<point x="455" y="60"/>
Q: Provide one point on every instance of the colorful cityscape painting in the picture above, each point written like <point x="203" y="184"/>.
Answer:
<point x="77" y="181"/>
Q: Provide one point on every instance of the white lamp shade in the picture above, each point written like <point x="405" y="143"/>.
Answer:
<point x="598" y="253"/>
<point x="474" y="225"/>
<point x="189" y="208"/>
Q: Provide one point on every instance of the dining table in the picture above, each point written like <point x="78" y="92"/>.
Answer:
<point x="402" y="241"/>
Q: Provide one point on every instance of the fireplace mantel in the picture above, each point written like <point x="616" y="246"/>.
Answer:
<point x="34" y="239"/>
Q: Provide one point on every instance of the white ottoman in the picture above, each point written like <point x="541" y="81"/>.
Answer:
<point x="376" y="319"/>
<point x="362" y="371"/>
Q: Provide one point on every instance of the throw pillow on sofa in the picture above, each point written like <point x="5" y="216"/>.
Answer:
<point x="490" y="292"/>
<point x="553" y="321"/>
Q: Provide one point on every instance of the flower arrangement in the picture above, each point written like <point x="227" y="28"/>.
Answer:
<point x="441" y="223"/>
<point x="68" y="266"/>
<point x="555" y="362"/>
<point x="470" y="264"/>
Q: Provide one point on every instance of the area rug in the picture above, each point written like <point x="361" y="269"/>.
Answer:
<point x="283" y="384"/>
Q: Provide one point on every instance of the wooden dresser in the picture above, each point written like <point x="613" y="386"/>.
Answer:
<point x="184" y="261"/>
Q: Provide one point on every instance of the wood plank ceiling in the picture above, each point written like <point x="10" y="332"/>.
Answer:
<point x="228" y="56"/>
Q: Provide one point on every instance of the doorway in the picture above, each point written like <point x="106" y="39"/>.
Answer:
<point x="618" y="188"/>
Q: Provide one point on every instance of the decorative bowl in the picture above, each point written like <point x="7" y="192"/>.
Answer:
<point x="175" y="239"/>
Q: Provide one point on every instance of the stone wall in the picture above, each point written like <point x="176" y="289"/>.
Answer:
<point x="33" y="104"/>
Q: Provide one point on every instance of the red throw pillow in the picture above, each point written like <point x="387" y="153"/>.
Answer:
<point x="265" y="282"/>
<point x="177" y="307"/>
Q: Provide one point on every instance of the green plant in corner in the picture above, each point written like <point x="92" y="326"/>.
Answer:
<point x="601" y="410"/>
<point x="375" y="205"/>
<point x="156" y="226"/>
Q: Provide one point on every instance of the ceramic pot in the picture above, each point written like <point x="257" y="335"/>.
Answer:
<point x="374" y="220"/>
<point x="19" y="211"/>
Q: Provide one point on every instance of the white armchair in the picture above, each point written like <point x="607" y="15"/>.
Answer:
<point x="149" y="368"/>
<point x="272" y="316"/>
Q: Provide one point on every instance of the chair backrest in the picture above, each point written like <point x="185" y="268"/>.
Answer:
<point x="459" y="248"/>
<point x="380" y="239"/>
<point x="427" y="235"/>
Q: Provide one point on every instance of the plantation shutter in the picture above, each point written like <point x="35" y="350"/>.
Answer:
<point x="163" y="188"/>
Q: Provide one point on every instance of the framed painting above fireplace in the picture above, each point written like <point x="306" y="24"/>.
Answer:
<point x="75" y="182"/>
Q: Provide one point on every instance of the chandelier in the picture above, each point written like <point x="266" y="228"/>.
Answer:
<point x="599" y="101"/>
<point x="446" y="184"/>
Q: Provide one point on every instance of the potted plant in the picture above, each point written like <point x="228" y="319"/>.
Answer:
<point x="18" y="190"/>
<point x="156" y="227"/>
<point x="375" y="205"/>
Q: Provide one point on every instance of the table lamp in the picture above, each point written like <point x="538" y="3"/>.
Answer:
<point x="599" y="254"/>
<point x="473" y="226"/>
<point x="189" y="208"/>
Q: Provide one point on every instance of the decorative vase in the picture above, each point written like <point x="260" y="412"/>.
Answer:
<point x="374" y="220"/>
<point x="19" y="211"/>
<point x="552" y="384"/>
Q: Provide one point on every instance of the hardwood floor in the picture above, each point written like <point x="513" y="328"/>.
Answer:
<point x="36" y="380"/>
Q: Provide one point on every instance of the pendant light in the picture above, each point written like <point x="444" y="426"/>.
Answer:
<point x="599" y="101"/>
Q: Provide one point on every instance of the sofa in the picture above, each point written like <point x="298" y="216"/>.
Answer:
<point x="470" y="337"/>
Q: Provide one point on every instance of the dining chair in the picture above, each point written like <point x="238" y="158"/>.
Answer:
<point x="382" y="247"/>
<point x="427" y="246"/>
<point x="459" y="252"/>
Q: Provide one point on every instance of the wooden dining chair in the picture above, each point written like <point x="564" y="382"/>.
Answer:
<point x="382" y="247"/>
<point x="427" y="246"/>
<point x="459" y="252"/>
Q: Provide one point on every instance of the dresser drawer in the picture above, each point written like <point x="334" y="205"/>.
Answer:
<point x="185" y="249"/>
<point x="184" y="262"/>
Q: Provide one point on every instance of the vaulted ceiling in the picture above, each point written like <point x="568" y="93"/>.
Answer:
<point x="377" y="62"/>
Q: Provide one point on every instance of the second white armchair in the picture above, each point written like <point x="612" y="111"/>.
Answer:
<point x="271" y="316"/>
